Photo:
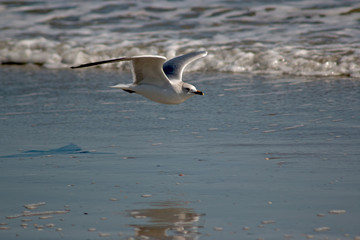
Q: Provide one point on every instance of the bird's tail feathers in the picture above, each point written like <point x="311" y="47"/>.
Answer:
<point x="125" y="87"/>
<point x="121" y="86"/>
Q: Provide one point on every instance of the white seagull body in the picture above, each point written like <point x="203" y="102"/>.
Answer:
<point x="157" y="79"/>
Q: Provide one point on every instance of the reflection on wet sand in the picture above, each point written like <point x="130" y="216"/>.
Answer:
<point x="166" y="220"/>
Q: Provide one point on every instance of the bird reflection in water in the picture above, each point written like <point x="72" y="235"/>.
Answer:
<point x="167" y="220"/>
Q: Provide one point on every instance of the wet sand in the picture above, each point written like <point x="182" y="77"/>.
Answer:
<point x="257" y="157"/>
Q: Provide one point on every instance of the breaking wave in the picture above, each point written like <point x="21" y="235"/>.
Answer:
<point x="303" y="38"/>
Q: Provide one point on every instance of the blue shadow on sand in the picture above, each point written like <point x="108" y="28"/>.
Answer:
<point x="67" y="149"/>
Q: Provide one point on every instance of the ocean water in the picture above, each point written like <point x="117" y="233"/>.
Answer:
<point x="271" y="151"/>
<point x="256" y="157"/>
<point x="282" y="37"/>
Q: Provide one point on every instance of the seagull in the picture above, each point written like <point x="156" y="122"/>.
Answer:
<point x="157" y="79"/>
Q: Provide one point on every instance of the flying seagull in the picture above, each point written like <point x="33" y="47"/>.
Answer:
<point x="157" y="79"/>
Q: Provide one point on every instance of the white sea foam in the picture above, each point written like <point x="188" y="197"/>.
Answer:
<point x="279" y="60"/>
<point x="307" y="38"/>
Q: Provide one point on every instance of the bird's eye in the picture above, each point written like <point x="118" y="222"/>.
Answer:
<point x="187" y="89"/>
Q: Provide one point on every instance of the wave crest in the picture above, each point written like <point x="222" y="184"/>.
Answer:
<point x="288" y="60"/>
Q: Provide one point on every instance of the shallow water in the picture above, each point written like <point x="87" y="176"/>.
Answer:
<point x="255" y="157"/>
<point x="291" y="37"/>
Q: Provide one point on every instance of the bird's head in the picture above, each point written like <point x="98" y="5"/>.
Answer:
<point x="190" y="89"/>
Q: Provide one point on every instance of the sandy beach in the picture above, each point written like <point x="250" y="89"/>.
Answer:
<point x="256" y="157"/>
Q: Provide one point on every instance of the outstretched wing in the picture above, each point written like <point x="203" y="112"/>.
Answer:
<point x="174" y="67"/>
<point x="145" y="69"/>
<point x="148" y="69"/>
<point x="102" y="62"/>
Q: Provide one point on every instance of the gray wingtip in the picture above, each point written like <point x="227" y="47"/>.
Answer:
<point x="204" y="53"/>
